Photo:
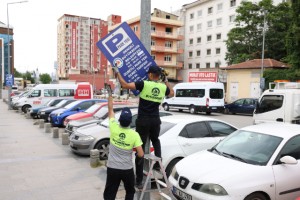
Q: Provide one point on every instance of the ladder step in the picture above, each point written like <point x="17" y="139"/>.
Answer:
<point x="165" y="196"/>
<point x="161" y="183"/>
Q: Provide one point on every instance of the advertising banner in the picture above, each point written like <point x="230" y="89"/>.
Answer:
<point x="203" y="76"/>
<point x="123" y="49"/>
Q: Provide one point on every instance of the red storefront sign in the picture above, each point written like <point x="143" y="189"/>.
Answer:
<point x="203" y="76"/>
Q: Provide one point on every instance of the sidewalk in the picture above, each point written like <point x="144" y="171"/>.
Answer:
<point x="36" y="166"/>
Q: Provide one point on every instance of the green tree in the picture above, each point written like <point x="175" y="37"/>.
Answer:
<point x="17" y="73"/>
<point x="27" y="76"/>
<point x="293" y="36"/>
<point x="45" y="78"/>
<point x="245" y="40"/>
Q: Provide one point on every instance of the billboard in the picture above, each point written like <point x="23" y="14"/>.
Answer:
<point x="203" y="76"/>
<point x="123" y="49"/>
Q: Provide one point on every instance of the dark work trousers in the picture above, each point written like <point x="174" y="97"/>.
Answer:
<point x="147" y="127"/>
<point x="113" y="180"/>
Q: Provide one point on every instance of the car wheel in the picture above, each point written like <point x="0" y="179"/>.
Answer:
<point x="25" y="108"/>
<point x="208" y="112"/>
<point x="171" y="165"/>
<point x="256" y="196"/>
<point x="166" y="107"/>
<point x="226" y="111"/>
<point x="103" y="147"/>
<point x="192" y="109"/>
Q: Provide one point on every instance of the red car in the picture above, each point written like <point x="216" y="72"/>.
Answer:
<point x="89" y="112"/>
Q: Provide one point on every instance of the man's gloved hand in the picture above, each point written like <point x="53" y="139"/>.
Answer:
<point x="164" y="75"/>
<point x="164" y="78"/>
<point x="116" y="69"/>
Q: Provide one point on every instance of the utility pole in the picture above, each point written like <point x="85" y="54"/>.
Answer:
<point x="145" y="19"/>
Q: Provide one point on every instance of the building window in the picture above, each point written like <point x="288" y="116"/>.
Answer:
<point x="208" y="38"/>
<point x="219" y="36"/>
<point x="219" y="21"/>
<point x="198" y="65"/>
<point x="232" y="3"/>
<point x="153" y="57"/>
<point x="168" y="58"/>
<point x="152" y="42"/>
<point x="231" y="18"/>
<point x="220" y="6"/>
<point x="199" y="27"/>
<point x="190" y="54"/>
<point x="190" y="66"/>
<point x="218" y="50"/>
<point x="199" y="13"/>
<point x="209" y="24"/>
<point x="191" y="28"/>
<point x="217" y="64"/>
<point x="192" y="16"/>
<point x="152" y="29"/>
<point x="198" y="53"/>
<point x="198" y="40"/>
<point x="168" y="17"/>
<point x="135" y="28"/>
<point x="169" y="31"/>
<point x="191" y="41"/>
<point x="208" y="52"/>
<point x="207" y="65"/>
<point x="210" y="10"/>
<point x="168" y="44"/>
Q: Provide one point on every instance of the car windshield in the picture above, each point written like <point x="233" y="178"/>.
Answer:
<point x="93" y="108"/>
<point x="60" y="104"/>
<point x="165" y="126"/>
<point x="100" y="114"/>
<point x="71" y="105"/>
<point x="250" y="147"/>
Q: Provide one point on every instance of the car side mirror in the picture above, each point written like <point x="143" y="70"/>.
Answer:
<point x="78" y="109"/>
<point x="288" y="160"/>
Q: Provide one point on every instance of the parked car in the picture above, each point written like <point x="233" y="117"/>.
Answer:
<point x="96" y="136"/>
<point x="244" y="106"/>
<point x="258" y="162"/>
<point x="88" y="113"/>
<point x="98" y="117"/>
<point x="58" y="116"/>
<point x="182" y="135"/>
<point x="34" y="111"/>
<point x="45" y="112"/>
<point x="15" y="98"/>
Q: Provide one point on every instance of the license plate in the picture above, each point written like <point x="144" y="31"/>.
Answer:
<point x="182" y="195"/>
<point x="214" y="108"/>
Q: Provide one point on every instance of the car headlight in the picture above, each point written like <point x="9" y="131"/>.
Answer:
<point x="59" y="114"/>
<point x="174" y="173"/>
<point x="85" y="138"/>
<point x="212" y="189"/>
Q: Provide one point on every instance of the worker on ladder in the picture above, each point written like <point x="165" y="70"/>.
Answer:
<point x="122" y="141"/>
<point x="152" y="93"/>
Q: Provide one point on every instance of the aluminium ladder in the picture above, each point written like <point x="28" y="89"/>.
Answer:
<point x="153" y="159"/>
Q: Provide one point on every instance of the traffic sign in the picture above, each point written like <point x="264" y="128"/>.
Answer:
<point x="9" y="80"/>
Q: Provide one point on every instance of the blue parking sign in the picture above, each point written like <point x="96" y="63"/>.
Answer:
<point x="9" y="79"/>
<point x="123" y="49"/>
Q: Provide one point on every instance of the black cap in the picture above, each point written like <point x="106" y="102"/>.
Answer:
<point x="125" y="117"/>
<point x="154" y="69"/>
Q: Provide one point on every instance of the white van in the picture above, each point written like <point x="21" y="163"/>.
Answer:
<point x="197" y="97"/>
<point x="42" y="93"/>
<point x="281" y="104"/>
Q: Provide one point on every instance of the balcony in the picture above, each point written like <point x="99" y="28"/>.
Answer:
<point x="167" y="35"/>
<point x="175" y="50"/>
<point x="162" y="63"/>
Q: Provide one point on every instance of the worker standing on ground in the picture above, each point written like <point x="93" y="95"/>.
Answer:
<point x="152" y="93"/>
<point x="122" y="141"/>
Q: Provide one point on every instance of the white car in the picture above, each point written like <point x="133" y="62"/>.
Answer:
<point x="258" y="162"/>
<point x="182" y="135"/>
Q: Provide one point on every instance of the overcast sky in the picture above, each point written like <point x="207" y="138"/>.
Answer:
<point x="35" y="24"/>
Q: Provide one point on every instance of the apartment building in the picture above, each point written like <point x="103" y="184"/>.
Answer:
<point x="78" y="57"/>
<point x="164" y="40"/>
<point x="5" y="36"/>
<point x="206" y="25"/>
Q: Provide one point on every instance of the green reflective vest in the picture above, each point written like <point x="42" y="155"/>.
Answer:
<point x="153" y="91"/>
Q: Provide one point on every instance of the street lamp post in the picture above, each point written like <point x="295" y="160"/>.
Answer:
<point x="262" y="80"/>
<point x="8" y="51"/>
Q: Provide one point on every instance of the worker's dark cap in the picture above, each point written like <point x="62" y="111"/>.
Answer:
<point x="125" y="117"/>
<point x="154" y="69"/>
